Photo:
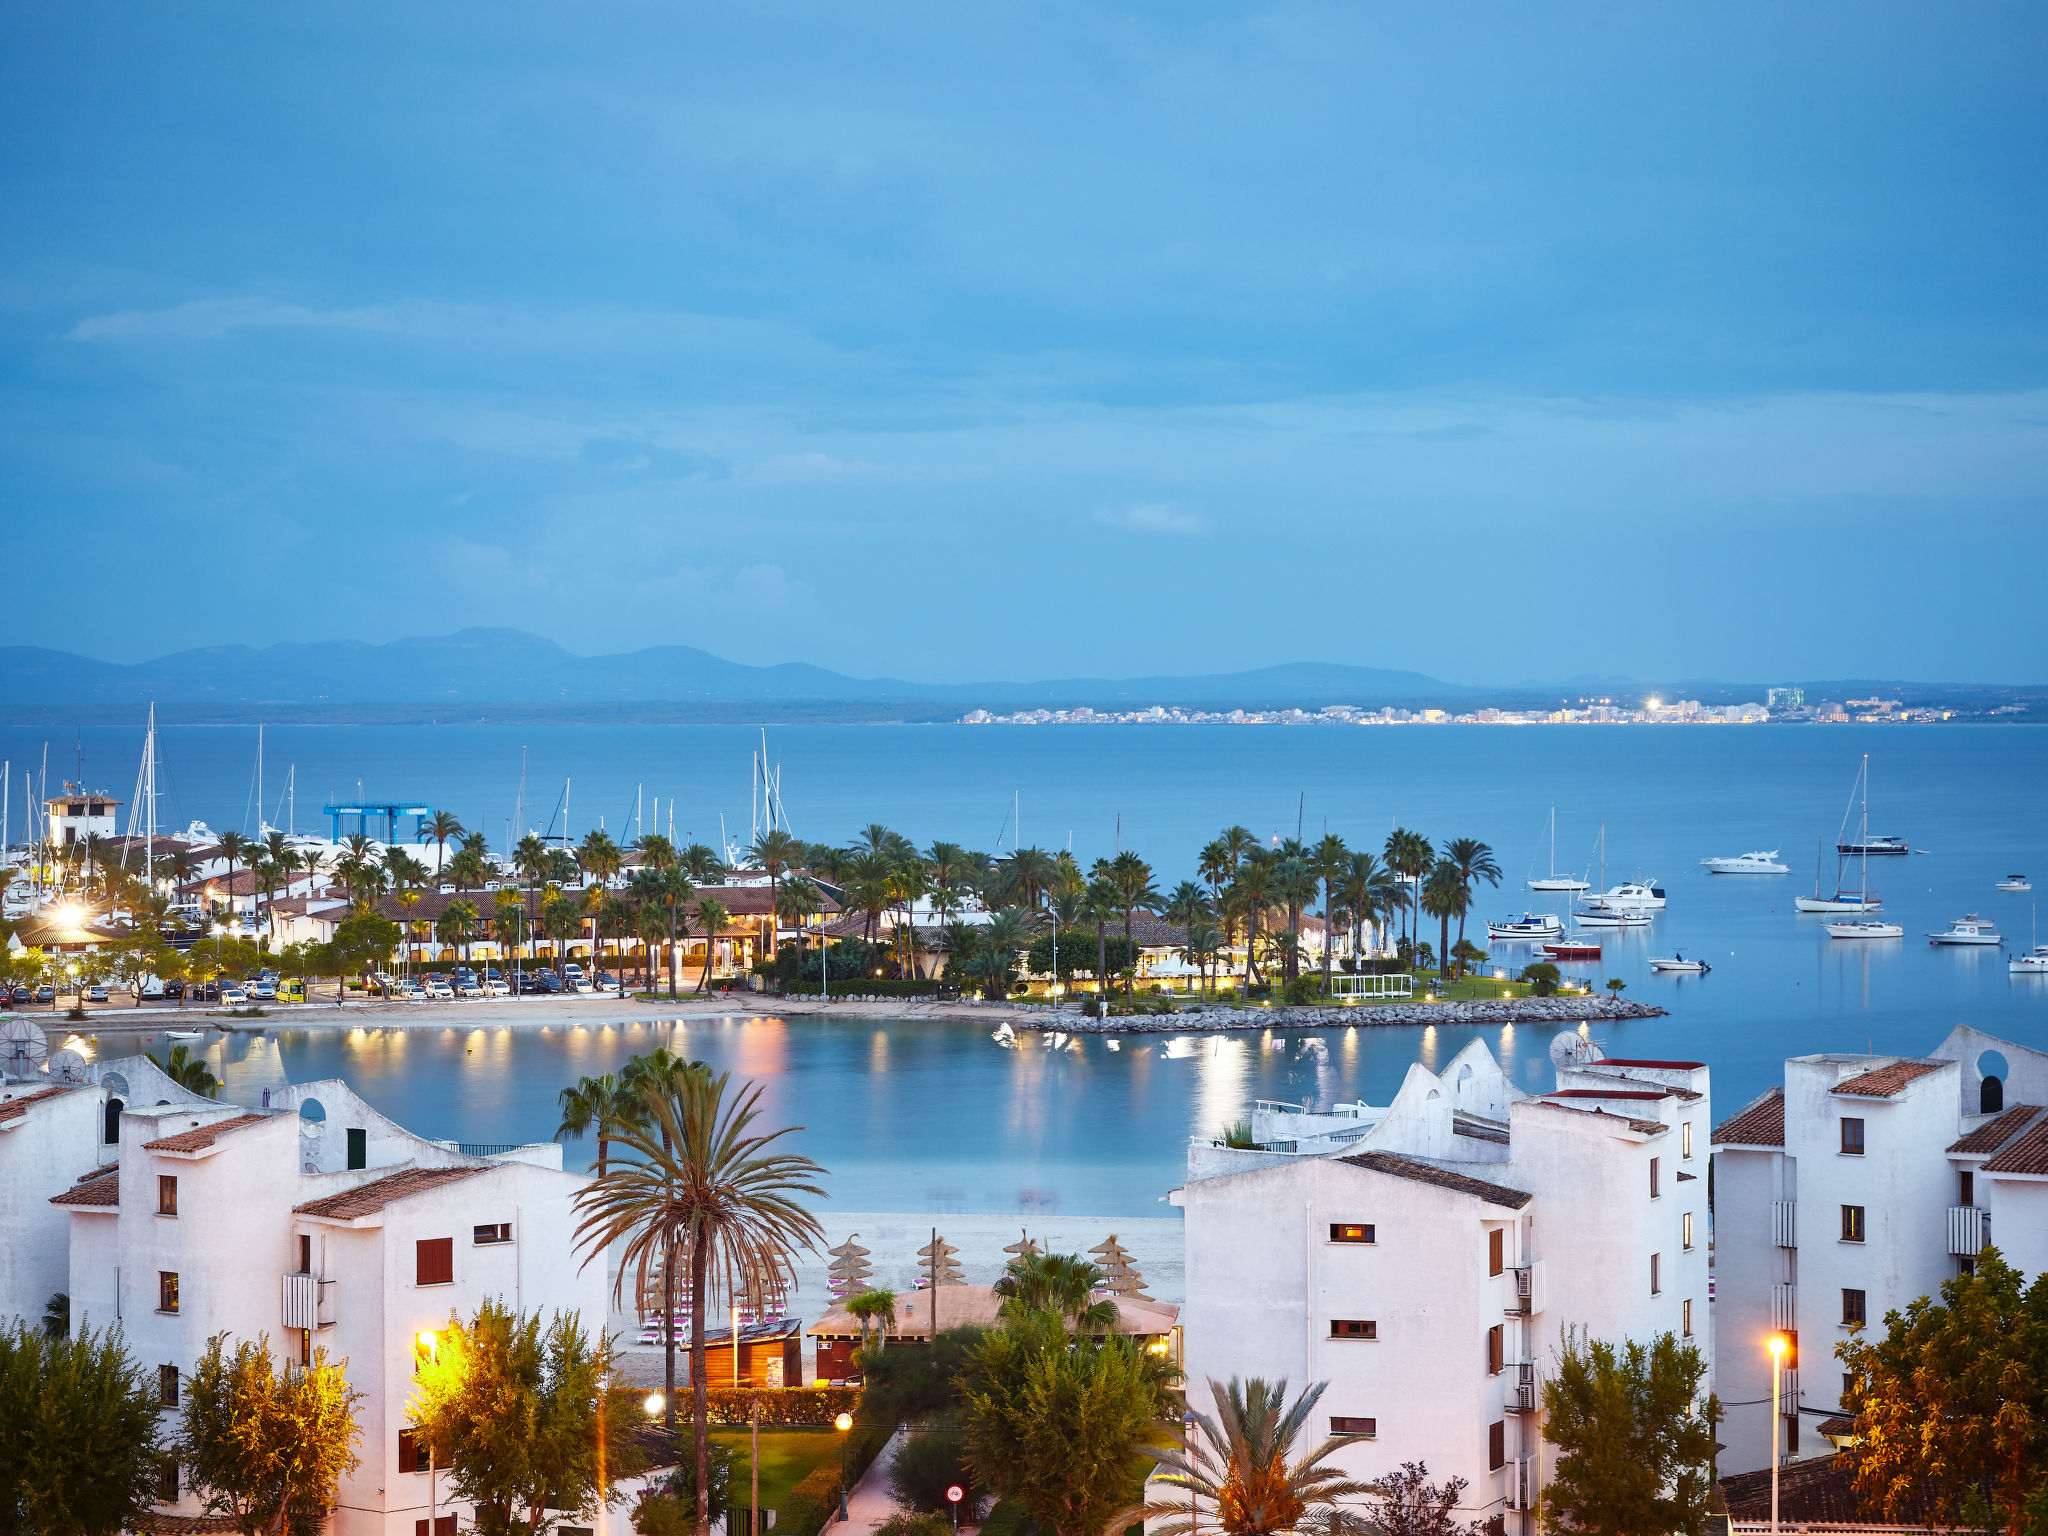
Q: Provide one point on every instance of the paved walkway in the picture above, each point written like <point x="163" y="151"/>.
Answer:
<point x="869" y="1502"/>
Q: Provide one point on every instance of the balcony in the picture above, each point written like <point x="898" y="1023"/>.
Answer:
<point x="308" y="1301"/>
<point x="1785" y="1307"/>
<point x="1521" y="1387"/>
<point x="1525" y="1290"/>
<point x="1521" y="1488"/>
<point x="1969" y="1230"/>
<point x="1784" y="1224"/>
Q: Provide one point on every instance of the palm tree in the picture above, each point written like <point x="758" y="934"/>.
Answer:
<point x="869" y="886"/>
<point x="508" y="922"/>
<point x="711" y="920"/>
<point x="590" y="1102"/>
<point x="1294" y="884"/>
<point x="699" y="1180"/>
<point x="188" y="1071"/>
<point x="1132" y="877"/>
<point x="233" y="847"/>
<point x="407" y="900"/>
<point x="1367" y="894"/>
<point x="908" y="882"/>
<point x="1098" y="907"/>
<point x="267" y="873"/>
<point x="1473" y="861"/>
<point x="799" y="899"/>
<point x="1203" y="941"/>
<point x="600" y="859"/>
<point x="1331" y="858"/>
<point x="874" y="1309"/>
<point x="441" y="826"/>
<point x="1007" y="932"/>
<point x="1409" y="856"/>
<point x="776" y="852"/>
<point x="1241" y="1463"/>
<point x="947" y="865"/>
<point x="1058" y="1282"/>
<point x="1251" y="893"/>
<point x="1444" y="897"/>
<point x="457" y="925"/>
<point x="703" y="864"/>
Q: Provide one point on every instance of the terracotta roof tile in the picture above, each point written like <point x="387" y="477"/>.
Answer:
<point x="14" y="1109"/>
<point x="1819" y="1491"/>
<point x="201" y="1137"/>
<point x="1644" y="1061"/>
<point x="101" y="1187"/>
<point x="1993" y="1134"/>
<point x="1888" y="1081"/>
<point x="368" y="1199"/>
<point x="2027" y="1155"/>
<point x="1427" y="1173"/>
<point x="1759" y="1123"/>
<point x="154" y="1524"/>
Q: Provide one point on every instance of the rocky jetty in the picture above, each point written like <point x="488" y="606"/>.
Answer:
<point x="1207" y="1020"/>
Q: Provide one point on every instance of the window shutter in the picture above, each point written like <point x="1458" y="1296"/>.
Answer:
<point x="1495" y="1247"/>
<point x="436" y="1261"/>
<point x="1495" y="1347"/>
<point x="1496" y="1445"/>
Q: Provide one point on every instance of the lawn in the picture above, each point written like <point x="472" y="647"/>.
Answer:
<point x="786" y="1456"/>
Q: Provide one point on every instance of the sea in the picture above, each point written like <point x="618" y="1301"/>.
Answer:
<point x="919" y="1115"/>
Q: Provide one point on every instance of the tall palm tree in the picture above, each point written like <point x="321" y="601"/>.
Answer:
<point x="600" y="859"/>
<point x="947" y="865"/>
<point x="1059" y="1282"/>
<point x="776" y="852"/>
<point x="874" y="1310"/>
<point x="1473" y="861"/>
<point x="1204" y="938"/>
<point x="441" y="826"/>
<point x="1409" y="856"/>
<point x="1294" y="886"/>
<point x="1367" y="893"/>
<point x="907" y="883"/>
<point x="1100" y="908"/>
<point x="1006" y="933"/>
<point x="711" y="920"/>
<point x="1251" y="893"/>
<point x="1132" y="877"/>
<point x="869" y="886"/>
<point x="1241" y="1463"/>
<point x="508" y="922"/>
<point x="587" y="1103"/>
<point x="457" y="925"/>
<point x="701" y="1181"/>
<point x="233" y="848"/>
<point x="1215" y="866"/>
<point x="1444" y="897"/>
<point x="798" y="900"/>
<point x="407" y="901"/>
<point x="1330" y="859"/>
<point x="703" y="863"/>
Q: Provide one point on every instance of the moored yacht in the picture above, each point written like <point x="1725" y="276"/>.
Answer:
<point x="1530" y="927"/>
<point x="1680" y="965"/>
<point x="2034" y="963"/>
<point x="1866" y="844"/>
<point x="1968" y="929"/>
<point x="2015" y="883"/>
<point x="1749" y="864"/>
<point x="1613" y="917"/>
<point x="1865" y="928"/>
<point x="1841" y="901"/>
<point x="1630" y="895"/>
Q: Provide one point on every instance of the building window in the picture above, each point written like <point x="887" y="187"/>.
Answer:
<point x="305" y="1253"/>
<point x="167" y="1481"/>
<point x="1496" y="1349"/>
<point x="1852" y="1308"/>
<point x="358" y="1147"/>
<point x="435" y="1261"/>
<point x="1852" y="1223"/>
<point x="166" y="1291"/>
<point x="1496" y="1445"/>
<point x="444" y="1525"/>
<point x="1342" y="1424"/>
<point x="1848" y="1386"/>
<point x="167" y="1386"/>
<point x="1685" y="1231"/>
<point x="1656" y="1273"/>
<point x="1852" y="1137"/>
<point x="1966" y="1186"/>
<point x="410" y="1452"/>
<point x="1353" y="1232"/>
<point x="305" y="1346"/>
<point x="1685" y="1139"/>
<point x="492" y="1232"/>
<point x="1685" y="1315"/>
<point x="113" y="1128"/>
<point x="1496" y="1245"/>
<point x="1966" y="1264"/>
<point x="1353" y="1328"/>
<point x="166" y="1195"/>
<point x="1655" y="1189"/>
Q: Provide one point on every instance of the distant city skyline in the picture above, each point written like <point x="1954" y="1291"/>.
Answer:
<point x="1082" y="340"/>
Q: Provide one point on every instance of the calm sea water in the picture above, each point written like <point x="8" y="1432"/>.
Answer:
<point x="917" y="1115"/>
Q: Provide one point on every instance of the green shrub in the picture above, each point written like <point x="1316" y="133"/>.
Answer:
<point x="1542" y="977"/>
<point x="815" y="1500"/>
<point x="910" y="1523"/>
<point x="1302" y="991"/>
<point x="928" y="1465"/>
<point x="1006" y="1519"/>
<point x="669" y="1506"/>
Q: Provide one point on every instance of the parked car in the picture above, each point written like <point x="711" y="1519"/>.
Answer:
<point x="607" y="982"/>
<point x="437" y="987"/>
<point x="292" y="991"/>
<point x="545" y="981"/>
<point x="95" y="993"/>
<point x="234" y="994"/>
<point x="493" y="987"/>
<point x="24" y="995"/>
<point x="410" y="992"/>
<point x="264" y="991"/>
<point x="47" y="994"/>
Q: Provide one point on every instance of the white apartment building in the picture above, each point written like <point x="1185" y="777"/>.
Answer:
<point x="310" y="1218"/>
<point x="1424" y="1259"/>
<point x="1857" y="1187"/>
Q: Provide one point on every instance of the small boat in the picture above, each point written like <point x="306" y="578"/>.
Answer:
<point x="184" y="1034"/>
<point x="1679" y="965"/>
<point x="1866" y="845"/>
<point x="2015" y="883"/>
<point x="1572" y="949"/>
<point x="1554" y="881"/>
<point x="1749" y="864"/>
<point x="1528" y="928"/>
<point x="1865" y="928"/>
<point x="1619" y="918"/>
<point x="1841" y="901"/>
<point x="2035" y="961"/>
<point x="1630" y="895"/>
<point x="1968" y="929"/>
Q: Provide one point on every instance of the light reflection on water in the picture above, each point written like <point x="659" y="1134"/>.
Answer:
<point x="906" y="1114"/>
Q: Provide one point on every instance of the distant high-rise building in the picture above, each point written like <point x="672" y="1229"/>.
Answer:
<point x="1785" y="698"/>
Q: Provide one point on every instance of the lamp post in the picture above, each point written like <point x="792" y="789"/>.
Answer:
<point x="1777" y="1378"/>
<point x="843" y="1423"/>
<point x="1187" y="1424"/>
<point x="429" y="1342"/>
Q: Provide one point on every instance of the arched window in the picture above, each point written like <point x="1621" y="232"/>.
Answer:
<point x="313" y="1110"/>
<point x="114" y="1108"/>
<point x="1992" y="1068"/>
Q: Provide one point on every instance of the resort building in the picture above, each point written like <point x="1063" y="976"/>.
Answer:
<point x="76" y="815"/>
<point x="1855" y="1188"/>
<point x="923" y="1313"/>
<point x="1424" y="1258"/>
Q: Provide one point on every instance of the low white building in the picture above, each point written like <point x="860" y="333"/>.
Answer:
<point x="1854" y="1189"/>
<point x="309" y="1217"/>
<point x="1424" y="1259"/>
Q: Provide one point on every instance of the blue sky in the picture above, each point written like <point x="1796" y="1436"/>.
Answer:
<point x="1029" y="340"/>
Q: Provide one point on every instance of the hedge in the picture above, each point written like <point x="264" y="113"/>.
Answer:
<point x="815" y="1500"/>
<point x="781" y="1406"/>
<point x="871" y="986"/>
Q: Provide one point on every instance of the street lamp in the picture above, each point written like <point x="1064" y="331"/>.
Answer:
<point x="1187" y="1424"/>
<point x="429" y="1343"/>
<point x="1777" y="1378"/>
<point x="843" y="1423"/>
<point x="654" y="1404"/>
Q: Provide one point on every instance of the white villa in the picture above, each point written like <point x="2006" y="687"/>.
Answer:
<point x="1424" y="1257"/>
<point x="1857" y="1187"/>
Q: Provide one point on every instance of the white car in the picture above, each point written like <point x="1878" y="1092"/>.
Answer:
<point x="437" y="987"/>
<point x="496" y="988"/>
<point x="410" y="992"/>
<point x="233" y="996"/>
<point x="469" y="986"/>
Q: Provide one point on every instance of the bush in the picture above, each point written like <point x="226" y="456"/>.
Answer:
<point x="1302" y="991"/>
<point x="1006" y="1519"/>
<point x="910" y="1385"/>
<point x="782" y="1405"/>
<point x="926" y="1466"/>
<point x="909" y="1523"/>
<point x="866" y="986"/>
<point x="815" y="1500"/>
<point x="1542" y="977"/>
<point x="669" y="1506"/>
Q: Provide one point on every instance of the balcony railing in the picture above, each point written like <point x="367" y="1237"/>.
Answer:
<point x="1784" y="1223"/>
<point x="1521" y="1386"/>
<point x="1521" y="1489"/>
<point x="1785" y="1307"/>
<point x="1525" y="1288"/>
<point x="1969" y="1229"/>
<point x="308" y="1301"/>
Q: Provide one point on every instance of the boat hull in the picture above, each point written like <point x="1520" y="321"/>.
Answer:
<point x="1964" y="941"/>
<point x="1874" y="850"/>
<point x="1745" y="866"/>
<point x="1836" y="904"/>
<point x="1572" y="951"/>
<point x="1864" y="930"/>
<point x="1560" y="883"/>
<point x="1681" y="967"/>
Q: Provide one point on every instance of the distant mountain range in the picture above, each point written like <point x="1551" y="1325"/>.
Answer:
<point x="509" y="666"/>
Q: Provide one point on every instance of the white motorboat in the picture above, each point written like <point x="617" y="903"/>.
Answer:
<point x="1748" y="864"/>
<point x="1554" y="881"/>
<point x="1968" y="929"/>
<point x="2034" y="963"/>
<point x="1679" y="965"/>
<point x="2015" y="883"/>
<point x="1865" y="928"/>
<point x="183" y="1034"/>
<point x="1530" y="927"/>
<point x="1629" y="896"/>
<point x="1614" y="917"/>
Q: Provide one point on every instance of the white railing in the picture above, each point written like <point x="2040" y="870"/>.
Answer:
<point x="1969" y="1229"/>
<point x="1521" y="1489"/>
<point x="1402" y="985"/>
<point x="1521" y="1392"/>
<point x="1785" y="1306"/>
<point x="1784" y="1224"/>
<point x="308" y="1301"/>
<point x="1525" y="1286"/>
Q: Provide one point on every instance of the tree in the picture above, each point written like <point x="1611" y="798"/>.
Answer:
<point x="1132" y="877"/>
<point x="233" y="849"/>
<point x="588" y="1102"/>
<point x="362" y="940"/>
<point x="1061" y="1423"/>
<point x="1005" y="935"/>
<point x="711" y="920"/>
<point x="441" y="826"/>
<point x="1951" y="1405"/>
<point x="1241" y="1463"/>
<point x="1294" y="884"/>
<point x="696" y="1179"/>
<point x="1473" y="861"/>
<point x="268" y="1450"/>
<point x="874" y="1310"/>
<point x="78" y="1426"/>
<point x="1616" y="986"/>
<point x="1635" y="1446"/>
<point x="1059" y="1282"/>
<point x="1331" y="860"/>
<point x="1542" y="977"/>
<point x="1408" y="856"/>
<point x="188" y="1070"/>
<point x="519" y="1415"/>
<point x="1407" y="1503"/>
<point x="776" y="852"/>
<point x="457" y="925"/>
<point x="1444" y="897"/>
<point x="1248" y="897"/>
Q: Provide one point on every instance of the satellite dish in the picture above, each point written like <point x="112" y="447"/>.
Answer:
<point x="1569" y="1048"/>
<point x="67" y="1066"/>
<point x="23" y="1047"/>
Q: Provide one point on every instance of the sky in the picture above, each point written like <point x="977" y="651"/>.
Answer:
<point x="999" y="340"/>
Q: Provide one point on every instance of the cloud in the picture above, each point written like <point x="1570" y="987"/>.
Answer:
<point x="208" y="319"/>
<point x="1155" y="517"/>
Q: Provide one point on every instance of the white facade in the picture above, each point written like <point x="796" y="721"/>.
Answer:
<point x="1859" y="1186"/>
<point x="1424" y="1259"/>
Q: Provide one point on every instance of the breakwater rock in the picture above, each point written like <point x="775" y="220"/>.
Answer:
<point x="1524" y="1010"/>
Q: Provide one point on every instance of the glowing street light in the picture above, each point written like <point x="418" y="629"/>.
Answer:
<point x="654" y="1404"/>
<point x="1777" y="1419"/>
<point x="843" y="1423"/>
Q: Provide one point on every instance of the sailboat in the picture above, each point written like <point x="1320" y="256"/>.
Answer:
<point x="2035" y="961"/>
<point x="1554" y="881"/>
<point x="1846" y="900"/>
